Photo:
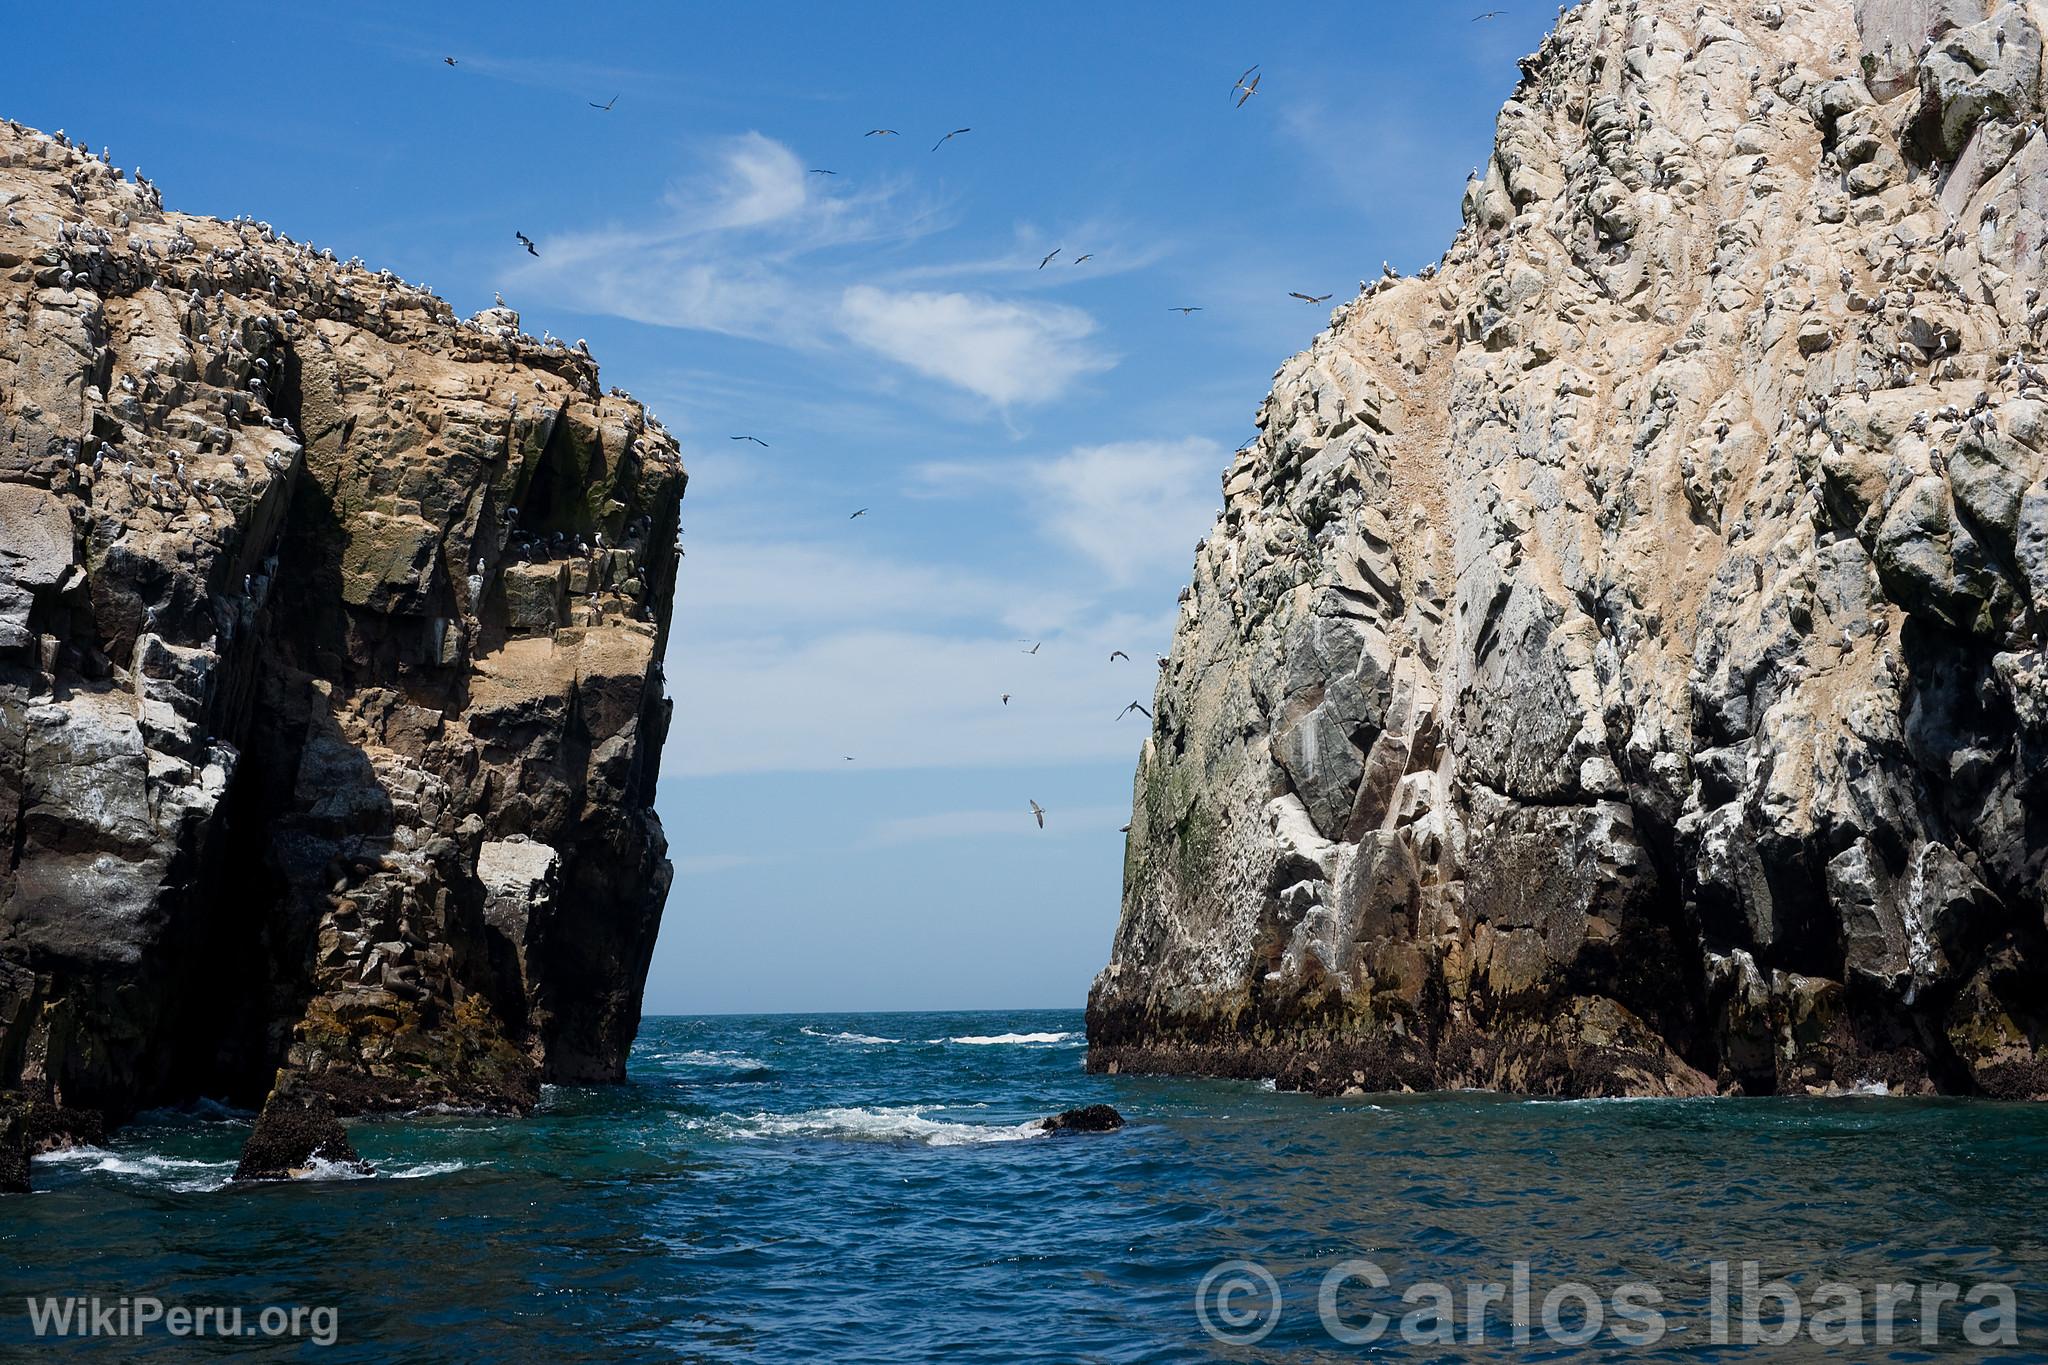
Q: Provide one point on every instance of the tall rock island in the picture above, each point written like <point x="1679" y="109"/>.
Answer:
<point x="330" y="694"/>
<point x="1618" y="667"/>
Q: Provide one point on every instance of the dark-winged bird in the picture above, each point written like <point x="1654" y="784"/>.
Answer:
<point x="1089" y="257"/>
<point x="949" y="137"/>
<point x="1038" y="812"/>
<point x="1184" y="311"/>
<point x="449" y="60"/>
<point x="526" y="242"/>
<point x="606" y="106"/>
<point x="1309" y="298"/>
<point x="1035" y="648"/>
<point x="1134" y="706"/>
<point x="1048" y="257"/>
<point x="861" y="513"/>
<point x="880" y="132"/>
<point x="1249" y="91"/>
<point x="755" y="439"/>
<point x="1116" y="654"/>
<point x="818" y="172"/>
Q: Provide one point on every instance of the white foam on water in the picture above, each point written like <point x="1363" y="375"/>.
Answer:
<point x="900" y="1124"/>
<point x="729" y="1061"/>
<point x="864" y="1039"/>
<point x="182" y="1174"/>
<point x="320" y="1168"/>
<point x="1019" y="1039"/>
<point x="425" y="1169"/>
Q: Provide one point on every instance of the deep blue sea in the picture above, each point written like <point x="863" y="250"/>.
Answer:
<point x="871" y="1188"/>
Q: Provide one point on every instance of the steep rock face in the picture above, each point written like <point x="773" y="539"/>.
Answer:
<point x="330" y="701"/>
<point x="1618" y="667"/>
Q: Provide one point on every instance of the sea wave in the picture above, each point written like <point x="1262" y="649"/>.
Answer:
<point x="903" y="1124"/>
<point x="1022" y="1039"/>
<point x="727" y="1061"/>
<point x="865" y="1039"/>
<point x="182" y="1174"/>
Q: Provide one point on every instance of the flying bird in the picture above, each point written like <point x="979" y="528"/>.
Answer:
<point x="1184" y="311"/>
<point x="1038" y="812"/>
<point x="861" y="513"/>
<point x="1035" y="648"/>
<point x="1249" y="90"/>
<point x="949" y="137"/>
<point x="1123" y="829"/>
<point x="1006" y="698"/>
<point x="1116" y="654"/>
<point x="1048" y="257"/>
<point x="526" y="242"/>
<point x="1134" y="706"/>
<point x="755" y="439"/>
<point x="606" y="106"/>
<point x="1309" y="298"/>
<point x="449" y="60"/>
<point x="819" y="172"/>
<point x="1490" y="14"/>
<point x="1089" y="257"/>
<point x="881" y="132"/>
<point x="1240" y="80"/>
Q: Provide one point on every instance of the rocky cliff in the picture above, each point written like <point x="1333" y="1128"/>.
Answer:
<point x="1618" y="666"/>
<point x="330" y="697"/>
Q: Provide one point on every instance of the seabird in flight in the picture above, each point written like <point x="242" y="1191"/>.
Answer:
<point x="1309" y="298"/>
<point x="1185" y="311"/>
<point x="526" y="242"/>
<point x="755" y="439"/>
<point x="1038" y="813"/>
<point x="1048" y="258"/>
<point x="1134" y="706"/>
<point x="606" y="106"/>
<point x="861" y="513"/>
<point x="1116" y="654"/>
<point x="949" y="137"/>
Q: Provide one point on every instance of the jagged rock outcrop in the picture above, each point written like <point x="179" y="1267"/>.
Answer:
<point x="1618" y="666"/>
<point x="330" y="695"/>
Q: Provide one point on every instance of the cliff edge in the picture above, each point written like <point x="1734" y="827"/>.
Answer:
<point x="1618" y="667"/>
<point x="330" y="693"/>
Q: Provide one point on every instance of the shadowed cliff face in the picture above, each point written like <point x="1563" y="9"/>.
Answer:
<point x="330" y="700"/>
<point x="1619" y="665"/>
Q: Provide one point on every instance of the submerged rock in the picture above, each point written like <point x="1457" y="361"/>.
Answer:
<point x="330" y="694"/>
<point x="1618" y="665"/>
<point x="1094" y="1118"/>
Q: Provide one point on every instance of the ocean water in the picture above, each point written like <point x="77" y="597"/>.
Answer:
<point x="872" y="1188"/>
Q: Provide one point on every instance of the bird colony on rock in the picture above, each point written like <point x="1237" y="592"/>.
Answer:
<point x="1618" y="667"/>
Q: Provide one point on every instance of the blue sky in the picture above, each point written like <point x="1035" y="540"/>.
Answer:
<point x="1039" y="449"/>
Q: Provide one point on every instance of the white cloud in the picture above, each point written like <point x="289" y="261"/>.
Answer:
<point x="1005" y="351"/>
<point x="757" y="247"/>
<point x="1131" y="507"/>
<point x="798" y="656"/>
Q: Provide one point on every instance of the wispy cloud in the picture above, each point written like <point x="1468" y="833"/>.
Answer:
<point x="1131" y="507"/>
<point x="1004" y="350"/>
<point x="758" y="246"/>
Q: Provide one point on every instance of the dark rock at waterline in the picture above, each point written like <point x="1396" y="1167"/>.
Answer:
<point x="13" y="1150"/>
<point x="1096" y="1118"/>
<point x="29" y="1126"/>
<point x="292" y="1132"/>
